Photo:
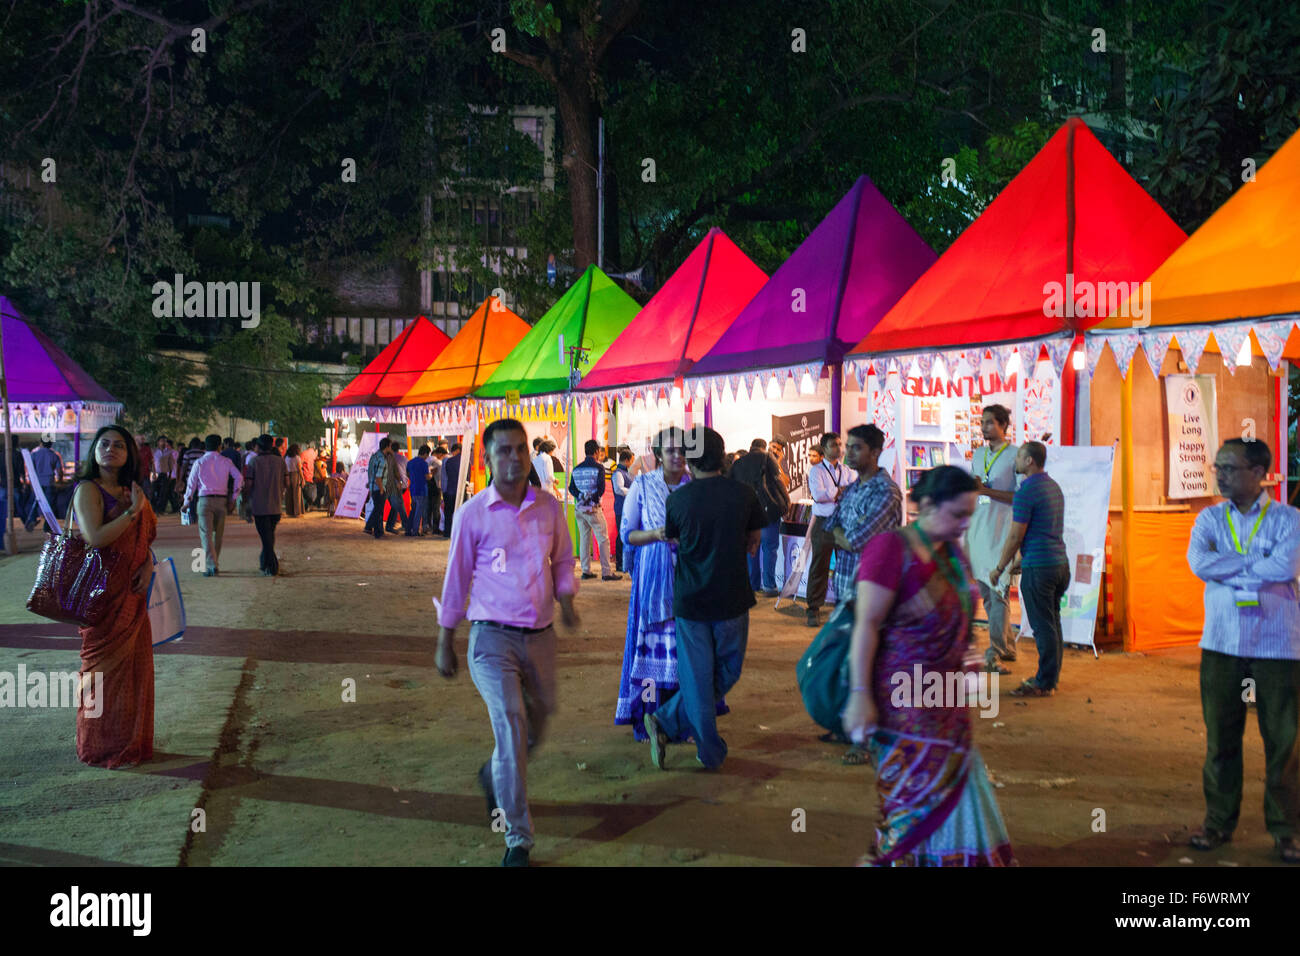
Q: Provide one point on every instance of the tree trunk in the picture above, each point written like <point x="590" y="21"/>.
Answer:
<point x="577" y="123"/>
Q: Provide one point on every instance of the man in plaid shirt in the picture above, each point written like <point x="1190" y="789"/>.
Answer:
<point x="869" y="506"/>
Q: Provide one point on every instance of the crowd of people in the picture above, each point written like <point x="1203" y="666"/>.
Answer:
<point x="693" y="532"/>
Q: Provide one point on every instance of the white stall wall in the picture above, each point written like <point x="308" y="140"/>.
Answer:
<point x="740" y="422"/>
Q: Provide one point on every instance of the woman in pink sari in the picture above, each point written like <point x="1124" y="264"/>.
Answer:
<point x="114" y="514"/>
<point x="912" y="620"/>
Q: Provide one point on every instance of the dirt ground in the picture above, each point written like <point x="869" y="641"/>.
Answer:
<point x="252" y="730"/>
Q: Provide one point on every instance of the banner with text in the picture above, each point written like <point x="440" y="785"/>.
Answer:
<point x="1193" y="434"/>
<point x="1084" y="474"/>
<point x="355" y="491"/>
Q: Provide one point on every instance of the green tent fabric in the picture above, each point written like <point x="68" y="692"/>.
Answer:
<point x="593" y="313"/>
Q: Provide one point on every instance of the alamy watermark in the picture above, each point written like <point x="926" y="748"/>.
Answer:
<point x="1086" y="299"/>
<point x="55" y="689"/>
<point x="208" y="300"/>
<point x="960" y="688"/>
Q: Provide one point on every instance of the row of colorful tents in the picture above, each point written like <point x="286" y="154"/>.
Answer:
<point x="864" y="285"/>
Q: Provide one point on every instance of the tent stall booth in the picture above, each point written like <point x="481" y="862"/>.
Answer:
<point x="777" y="369"/>
<point x="372" y="396"/>
<point x="440" y="402"/>
<point x="787" y="345"/>
<point x="1232" y="289"/>
<point x="46" y="393"/>
<point x="1070" y="227"/>
<point x="641" y="375"/>
<point x="535" y="381"/>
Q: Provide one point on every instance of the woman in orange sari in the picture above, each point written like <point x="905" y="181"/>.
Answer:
<point x="114" y="514"/>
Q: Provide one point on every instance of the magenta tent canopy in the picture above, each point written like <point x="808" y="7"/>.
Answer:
<point x="829" y="294"/>
<point x="40" y="371"/>
<point x="48" y="392"/>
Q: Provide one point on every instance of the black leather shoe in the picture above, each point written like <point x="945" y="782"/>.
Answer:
<point x="515" y="856"/>
<point x="1208" y="839"/>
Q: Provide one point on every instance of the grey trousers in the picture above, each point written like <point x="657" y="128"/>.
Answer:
<point x="591" y="524"/>
<point x="515" y="676"/>
<point x="998" y="609"/>
<point x="212" y="526"/>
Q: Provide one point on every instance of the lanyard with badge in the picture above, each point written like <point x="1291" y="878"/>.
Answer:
<point x="988" y="469"/>
<point x="1244" y="596"/>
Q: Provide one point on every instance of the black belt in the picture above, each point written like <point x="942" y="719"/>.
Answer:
<point x="513" y="627"/>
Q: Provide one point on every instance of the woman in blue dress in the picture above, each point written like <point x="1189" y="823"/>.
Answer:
<point x="650" y="651"/>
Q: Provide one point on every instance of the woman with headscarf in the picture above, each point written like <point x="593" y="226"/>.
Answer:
<point x="650" y="650"/>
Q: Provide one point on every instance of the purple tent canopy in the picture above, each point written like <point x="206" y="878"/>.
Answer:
<point x="40" y="371"/>
<point x="829" y="294"/>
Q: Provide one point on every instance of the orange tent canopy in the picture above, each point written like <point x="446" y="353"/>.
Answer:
<point x="392" y="372"/>
<point x="1244" y="262"/>
<point x="1072" y="210"/>
<point x="473" y="355"/>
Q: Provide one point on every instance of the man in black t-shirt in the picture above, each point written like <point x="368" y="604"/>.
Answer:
<point x="716" y="521"/>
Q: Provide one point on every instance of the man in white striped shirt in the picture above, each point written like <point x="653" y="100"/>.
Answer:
<point x="1247" y="551"/>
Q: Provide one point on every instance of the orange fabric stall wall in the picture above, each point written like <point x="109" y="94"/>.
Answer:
<point x="1166" y="601"/>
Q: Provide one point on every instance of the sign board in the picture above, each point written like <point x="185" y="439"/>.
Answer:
<point x="802" y="433"/>
<point x="355" y="492"/>
<point x="1193" y="409"/>
<point x="1084" y="474"/>
<point x="512" y="396"/>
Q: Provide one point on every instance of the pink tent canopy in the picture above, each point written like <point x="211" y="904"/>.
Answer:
<point x="40" y="371"/>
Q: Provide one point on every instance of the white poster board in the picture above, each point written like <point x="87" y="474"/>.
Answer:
<point x="1084" y="474"/>
<point x="356" y="492"/>
<point x="1193" y="434"/>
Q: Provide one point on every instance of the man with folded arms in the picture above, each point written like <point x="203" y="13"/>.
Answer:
<point x="1247" y="551"/>
<point x="512" y="557"/>
<point x="211" y="479"/>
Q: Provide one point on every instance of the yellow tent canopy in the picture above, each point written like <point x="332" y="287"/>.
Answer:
<point x="1243" y="263"/>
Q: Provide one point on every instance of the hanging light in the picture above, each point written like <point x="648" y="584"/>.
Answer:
<point x="677" y="394"/>
<point x="1079" y="359"/>
<point x="939" y="370"/>
<point x="773" y="390"/>
<point x="806" y="386"/>
<point x="1013" y="364"/>
<point x="1243" y="354"/>
<point x="699" y="390"/>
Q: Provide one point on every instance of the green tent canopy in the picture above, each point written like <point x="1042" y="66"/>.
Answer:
<point x="593" y="313"/>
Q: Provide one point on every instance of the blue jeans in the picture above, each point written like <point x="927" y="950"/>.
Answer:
<point x="396" y="510"/>
<point x="709" y="657"/>
<point x="417" y="514"/>
<point x="1041" y="590"/>
<point x="762" y="566"/>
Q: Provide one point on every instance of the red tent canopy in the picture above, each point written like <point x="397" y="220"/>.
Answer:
<point x="683" y="320"/>
<point x="1072" y="210"/>
<point x="393" y="372"/>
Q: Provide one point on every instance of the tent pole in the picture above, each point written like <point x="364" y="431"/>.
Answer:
<point x="1069" y="385"/>
<point x="76" y="439"/>
<point x="708" y="406"/>
<point x="1126" y="499"/>
<point x="11" y="544"/>
<point x="837" y="385"/>
<point x="1282" y="457"/>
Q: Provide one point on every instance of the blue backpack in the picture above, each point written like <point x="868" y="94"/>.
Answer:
<point x="823" y="670"/>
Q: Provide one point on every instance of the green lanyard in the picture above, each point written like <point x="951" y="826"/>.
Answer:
<point x="988" y="465"/>
<point x="1258" y="521"/>
<point x="957" y="577"/>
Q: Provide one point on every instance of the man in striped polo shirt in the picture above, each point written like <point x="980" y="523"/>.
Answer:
<point x="1247" y="551"/>
<point x="1037" y="526"/>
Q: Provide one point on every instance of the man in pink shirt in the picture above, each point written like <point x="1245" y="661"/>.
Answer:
<point x="209" y="481"/>
<point x="513" y="546"/>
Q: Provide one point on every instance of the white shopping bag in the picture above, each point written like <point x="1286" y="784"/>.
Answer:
<point x="166" y="608"/>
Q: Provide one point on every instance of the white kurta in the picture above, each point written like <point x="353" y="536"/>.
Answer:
<point x="991" y="522"/>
